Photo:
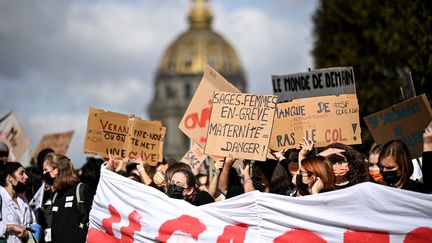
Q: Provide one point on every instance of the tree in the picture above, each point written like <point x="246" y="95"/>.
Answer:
<point x="383" y="41"/>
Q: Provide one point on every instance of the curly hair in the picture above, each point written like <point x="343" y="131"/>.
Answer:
<point x="357" y="163"/>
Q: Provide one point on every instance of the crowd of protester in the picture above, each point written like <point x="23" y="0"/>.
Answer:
<point x="68" y="193"/>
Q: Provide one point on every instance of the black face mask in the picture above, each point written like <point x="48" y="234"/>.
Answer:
<point x="20" y="187"/>
<point x="257" y="184"/>
<point x="48" y="179"/>
<point x="390" y="177"/>
<point x="175" y="191"/>
<point x="302" y="187"/>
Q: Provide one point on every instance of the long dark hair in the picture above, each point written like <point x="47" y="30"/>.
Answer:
<point x="400" y="152"/>
<point x="281" y="179"/>
<point x="358" y="167"/>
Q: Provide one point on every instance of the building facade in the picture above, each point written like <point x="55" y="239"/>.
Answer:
<point x="181" y="69"/>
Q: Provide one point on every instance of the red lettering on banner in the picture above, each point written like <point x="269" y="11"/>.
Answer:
<point x="299" y="235"/>
<point x="127" y="233"/>
<point x="185" y="223"/>
<point x="366" y="236"/>
<point x="233" y="233"/>
<point x="419" y="235"/>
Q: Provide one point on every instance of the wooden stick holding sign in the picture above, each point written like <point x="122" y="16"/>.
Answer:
<point x="323" y="120"/>
<point x="240" y="124"/>
<point x="122" y="136"/>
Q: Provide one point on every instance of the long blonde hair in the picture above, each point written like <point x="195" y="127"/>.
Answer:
<point x="67" y="176"/>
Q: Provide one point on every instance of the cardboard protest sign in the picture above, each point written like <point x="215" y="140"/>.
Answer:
<point x="319" y="82"/>
<point x="59" y="142"/>
<point x="145" y="139"/>
<point x="405" y="121"/>
<point x="194" y="157"/>
<point x="195" y="120"/>
<point x="122" y="135"/>
<point x="323" y="120"/>
<point x="240" y="124"/>
<point x="12" y="134"/>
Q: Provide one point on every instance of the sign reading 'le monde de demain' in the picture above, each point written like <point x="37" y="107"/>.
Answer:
<point x="319" y="82"/>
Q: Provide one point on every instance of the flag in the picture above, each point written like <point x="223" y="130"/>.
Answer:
<point x="12" y="134"/>
<point x="37" y="199"/>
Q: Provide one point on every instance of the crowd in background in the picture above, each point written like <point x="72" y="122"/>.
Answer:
<point x="68" y="193"/>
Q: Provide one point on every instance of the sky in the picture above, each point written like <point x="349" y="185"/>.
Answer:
<point x="59" y="57"/>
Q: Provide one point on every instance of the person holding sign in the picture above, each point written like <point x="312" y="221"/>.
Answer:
<point x="396" y="167"/>
<point x="427" y="157"/>
<point x="182" y="185"/>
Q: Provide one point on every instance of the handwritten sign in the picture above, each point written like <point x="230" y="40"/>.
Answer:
<point x="121" y="136"/>
<point x="195" y="120"/>
<point x="194" y="157"/>
<point x="59" y="142"/>
<point x="240" y="124"/>
<point x="320" y="82"/>
<point x="323" y="120"/>
<point x="405" y="121"/>
<point x="12" y="134"/>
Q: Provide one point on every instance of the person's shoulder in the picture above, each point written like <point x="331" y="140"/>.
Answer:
<point x="416" y="186"/>
<point x="204" y="197"/>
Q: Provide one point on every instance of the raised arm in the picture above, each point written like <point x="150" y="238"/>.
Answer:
<point x="224" y="176"/>
<point x="214" y="182"/>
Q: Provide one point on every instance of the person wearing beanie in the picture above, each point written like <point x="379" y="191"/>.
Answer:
<point x="16" y="214"/>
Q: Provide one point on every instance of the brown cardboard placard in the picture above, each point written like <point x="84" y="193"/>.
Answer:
<point x="59" y="142"/>
<point x="122" y="135"/>
<point x="405" y="121"/>
<point x="240" y="124"/>
<point x="195" y="120"/>
<point x="323" y="120"/>
<point x="145" y="139"/>
<point x="194" y="157"/>
<point x="318" y="82"/>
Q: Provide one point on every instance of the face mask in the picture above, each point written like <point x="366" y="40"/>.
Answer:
<point x="175" y="191"/>
<point x="158" y="178"/>
<point x="390" y="177"/>
<point x="257" y="185"/>
<point x="302" y="187"/>
<point x="340" y="169"/>
<point x="48" y="179"/>
<point x="20" y="187"/>
<point x="375" y="173"/>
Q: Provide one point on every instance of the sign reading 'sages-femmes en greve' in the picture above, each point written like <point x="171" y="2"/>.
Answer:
<point x="240" y="124"/>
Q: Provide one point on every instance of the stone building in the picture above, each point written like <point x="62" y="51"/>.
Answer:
<point x="181" y="69"/>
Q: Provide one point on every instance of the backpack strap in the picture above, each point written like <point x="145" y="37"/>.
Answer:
<point x="81" y="204"/>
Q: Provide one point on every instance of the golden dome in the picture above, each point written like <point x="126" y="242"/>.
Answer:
<point x="199" y="46"/>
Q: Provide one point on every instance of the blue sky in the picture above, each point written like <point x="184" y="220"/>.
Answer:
<point x="58" y="57"/>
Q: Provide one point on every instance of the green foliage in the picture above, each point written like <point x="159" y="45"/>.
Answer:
<point x="383" y="41"/>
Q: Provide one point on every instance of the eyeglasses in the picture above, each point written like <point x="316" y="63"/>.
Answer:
<point x="177" y="183"/>
<point x="305" y="174"/>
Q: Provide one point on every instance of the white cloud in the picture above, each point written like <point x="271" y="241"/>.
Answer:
<point x="59" y="57"/>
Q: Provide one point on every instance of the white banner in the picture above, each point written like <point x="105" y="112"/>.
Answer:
<point x="12" y="134"/>
<point x="127" y="211"/>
